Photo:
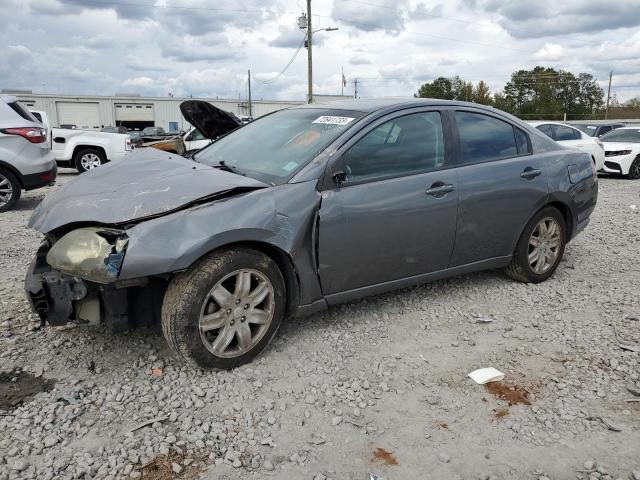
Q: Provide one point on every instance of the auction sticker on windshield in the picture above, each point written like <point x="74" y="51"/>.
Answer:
<point x="329" y="120"/>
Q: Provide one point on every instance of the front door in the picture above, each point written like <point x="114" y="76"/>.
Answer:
<point x="394" y="214"/>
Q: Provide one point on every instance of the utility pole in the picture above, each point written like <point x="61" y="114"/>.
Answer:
<point x="249" y="82"/>
<point x="606" y="110"/>
<point x="355" y="88"/>
<point x="342" y="82"/>
<point x="309" y="54"/>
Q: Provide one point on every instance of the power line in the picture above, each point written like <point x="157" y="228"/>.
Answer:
<point x="293" y="57"/>
<point x="471" y="22"/>
<point x="356" y="22"/>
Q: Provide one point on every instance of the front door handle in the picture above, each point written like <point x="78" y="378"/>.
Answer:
<point x="530" y="173"/>
<point x="439" y="189"/>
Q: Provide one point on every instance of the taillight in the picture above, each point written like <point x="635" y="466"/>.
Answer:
<point x="33" y="134"/>
<point x="128" y="145"/>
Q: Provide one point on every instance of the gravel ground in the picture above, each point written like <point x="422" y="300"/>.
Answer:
<point x="378" y="386"/>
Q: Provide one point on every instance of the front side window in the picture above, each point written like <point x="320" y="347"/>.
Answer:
<point x="406" y="145"/>
<point x="484" y="138"/>
<point x="194" y="136"/>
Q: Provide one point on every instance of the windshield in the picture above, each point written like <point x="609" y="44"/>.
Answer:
<point x="274" y="147"/>
<point x="629" y="135"/>
<point x="588" y="129"/>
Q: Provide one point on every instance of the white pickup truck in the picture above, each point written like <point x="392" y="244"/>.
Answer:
<point x="85" y="149"/>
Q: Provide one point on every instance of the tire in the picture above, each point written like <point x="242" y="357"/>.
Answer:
<point x="10" y="190"/>
<point x="634" y="169"/>
<point x="521" y="268"/>
<point x="88" y="159"/>
<point x="190" y="298"/>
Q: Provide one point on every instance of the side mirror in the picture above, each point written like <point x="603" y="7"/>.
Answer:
<point x="339" y="176"/>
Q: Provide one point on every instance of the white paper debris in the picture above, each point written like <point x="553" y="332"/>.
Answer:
<point x="486" y="375"/>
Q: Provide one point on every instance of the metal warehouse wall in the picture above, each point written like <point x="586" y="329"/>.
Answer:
<point x="165" y="109"/>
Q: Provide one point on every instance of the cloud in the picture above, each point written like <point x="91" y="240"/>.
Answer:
<point x="550" y="52"/>
<point x="138" y="82"/>
<point x="290" y="36"/>
<point x="360" y="60"/>
<point x="213" y="47"/>
<point x="384" y="15"/>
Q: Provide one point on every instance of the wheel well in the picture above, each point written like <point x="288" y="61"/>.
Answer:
<point x="92" y="147"/>
<point x="285" y="265"/>
<point x="566" y="214"/>
<point x="13" y="170"/>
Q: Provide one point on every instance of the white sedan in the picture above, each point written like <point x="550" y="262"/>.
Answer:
<point x="573" y="138"/>
<point x="622" y="151"/>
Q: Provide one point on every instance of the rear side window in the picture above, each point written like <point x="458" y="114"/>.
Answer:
<point x="561" y="133"/>
<point x="484" y="138"/>
<point x="37" y="115"/>
<point x="16" y="107"/>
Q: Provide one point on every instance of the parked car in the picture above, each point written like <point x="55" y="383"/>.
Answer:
<point x="154" y="132"/>
<point x="68" y="126"/>
<point x="213" y="122"/>
<point x="622" y="151"/>
<point x="597" y="130"/>
<point x="26" y="162"/>
<point x="118" y="129"/>
<point x="86" y="149"/>
<point x="43" y="118"/>
<point x="301" y="209"/>
<point x="571" y="137"/>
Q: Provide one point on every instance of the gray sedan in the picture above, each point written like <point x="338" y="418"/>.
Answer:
<point x="302" y="209"/>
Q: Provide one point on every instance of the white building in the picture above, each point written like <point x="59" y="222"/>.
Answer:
<point x="95" y="112"/>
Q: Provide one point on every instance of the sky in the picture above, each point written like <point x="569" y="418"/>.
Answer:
<point x="204" y="48"/>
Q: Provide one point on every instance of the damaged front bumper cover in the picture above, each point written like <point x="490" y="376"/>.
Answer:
<point x="59" y="298"/>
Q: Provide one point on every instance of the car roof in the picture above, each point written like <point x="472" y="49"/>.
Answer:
<point x="372" y="105"/>
<point x="550" y="122"/>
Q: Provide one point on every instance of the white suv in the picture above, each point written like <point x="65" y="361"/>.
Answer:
<point x="26" y="161"/>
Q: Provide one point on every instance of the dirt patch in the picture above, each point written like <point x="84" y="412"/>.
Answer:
<point x="17" y="386"/>
<point x="443" y="426"/>
<point x="382" y="455"/>
<point x="500" y="412"/>
<point x="512" y="394"/>
<point x="161" y="468"/>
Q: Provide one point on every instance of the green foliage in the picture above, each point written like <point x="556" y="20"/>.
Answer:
<point x="537" y="93"/>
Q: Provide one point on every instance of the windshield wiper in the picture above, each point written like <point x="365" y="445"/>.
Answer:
<point x="222" y="165"/>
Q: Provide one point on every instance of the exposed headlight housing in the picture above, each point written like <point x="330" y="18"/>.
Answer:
<point x="94" y="254"/>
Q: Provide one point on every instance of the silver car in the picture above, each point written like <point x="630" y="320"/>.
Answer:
<point x="301" y="209"/>
<point x="26" y="161"/>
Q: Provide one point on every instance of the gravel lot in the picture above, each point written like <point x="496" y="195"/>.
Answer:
<point x="378" y="386"/>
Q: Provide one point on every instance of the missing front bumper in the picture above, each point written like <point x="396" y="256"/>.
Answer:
<point x="59" y="298"/>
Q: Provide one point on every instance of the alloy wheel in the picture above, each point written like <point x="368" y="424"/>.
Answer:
<point x="89" y="161"/>
<point x="544" y="245"/>
<point x="634" y="170"/>
<point x="6" y="190"/>
<point x="236" y="313"/>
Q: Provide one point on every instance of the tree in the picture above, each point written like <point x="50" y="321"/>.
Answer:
<point x="482" y="94"/>
<point x="440" y="88"/>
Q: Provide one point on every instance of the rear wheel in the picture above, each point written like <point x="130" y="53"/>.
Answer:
<point x="9" y="190"/>
<point x="88" y="159"/>
<point x="634" y="169"/>
<point x="540" y="248"/>
<point x="225" y="310"/>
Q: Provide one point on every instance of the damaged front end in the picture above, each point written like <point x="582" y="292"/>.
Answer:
<point x="75" y="277"/>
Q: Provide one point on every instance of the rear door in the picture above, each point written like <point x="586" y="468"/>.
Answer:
<point x="393" y="215"/>
<point x="501" y="185"/>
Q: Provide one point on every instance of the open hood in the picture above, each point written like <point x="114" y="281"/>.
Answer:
<point x="148" y="183"/>
<point x="210" y="121"/>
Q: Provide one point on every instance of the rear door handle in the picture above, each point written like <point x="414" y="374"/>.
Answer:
<point x="530" y="173"/>
<point x="439" y="190"/>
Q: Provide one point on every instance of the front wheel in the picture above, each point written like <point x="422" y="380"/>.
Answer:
<point x="224" y="310"/>
<point x="88" y="159"/>
<point x="540" y="248"/>
<point x="634" y="169"/>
